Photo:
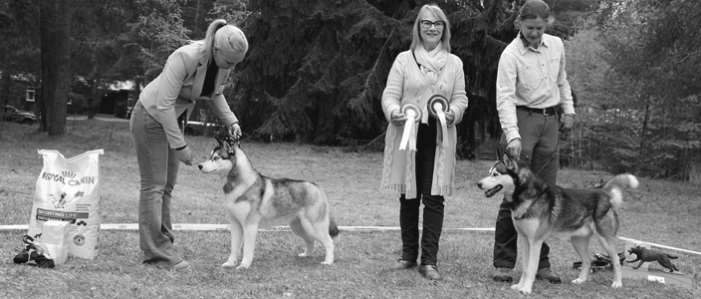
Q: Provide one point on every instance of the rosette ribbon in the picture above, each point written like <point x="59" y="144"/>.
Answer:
<point x="438" y="106"/>
<point x="413" y="116"/>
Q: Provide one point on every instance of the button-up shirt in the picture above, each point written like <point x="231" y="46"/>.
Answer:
<point x="531" y="77"/>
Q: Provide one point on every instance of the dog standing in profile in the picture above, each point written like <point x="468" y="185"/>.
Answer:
<point x="251" y="197"/>
<point x="539" y="209"/>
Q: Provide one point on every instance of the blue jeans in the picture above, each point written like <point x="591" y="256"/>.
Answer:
<point x="158" y="169"/>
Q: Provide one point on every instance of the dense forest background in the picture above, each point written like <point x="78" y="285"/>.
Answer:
<point x="316" y="69"/>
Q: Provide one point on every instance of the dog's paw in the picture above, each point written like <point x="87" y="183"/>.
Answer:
<point x="579" y="280"/>
<point x="303" y="254"/>
<point x="521" y="288"/>
<point x="617" y="284"/>
<point x="242" y="267"/>
<point x="229" y="264"/>
<point x="327" y="263"/>
<point x="525" y="290"/>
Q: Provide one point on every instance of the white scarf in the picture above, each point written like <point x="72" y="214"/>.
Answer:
<point x="433" y="62"/>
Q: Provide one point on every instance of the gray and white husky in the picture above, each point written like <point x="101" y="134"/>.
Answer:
<point x="251" y="197"/>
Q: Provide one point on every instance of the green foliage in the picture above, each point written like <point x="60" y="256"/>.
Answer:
<point x="235" y="12"/>
<point x="156" y="32"/>
<point x="642" y="57"/>
<point x="19" y="50"/>
<point x="94" y="27"/>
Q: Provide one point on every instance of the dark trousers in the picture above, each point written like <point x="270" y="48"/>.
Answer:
<point x="539" y="141"/>
<point x="433" y="205"/>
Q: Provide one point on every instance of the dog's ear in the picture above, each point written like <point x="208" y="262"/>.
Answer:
<point x="498" y="168"/>
<point x="220" y="140"/>
<point x="227" y="147"/>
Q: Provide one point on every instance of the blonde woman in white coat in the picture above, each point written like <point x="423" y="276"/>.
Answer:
<point x="194" y="72"/>
<point x="425" y="174"/>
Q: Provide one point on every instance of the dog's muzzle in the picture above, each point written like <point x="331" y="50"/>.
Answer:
<point x="490" y="192"/>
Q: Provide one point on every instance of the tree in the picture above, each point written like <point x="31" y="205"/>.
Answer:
<point x="652" y="47"/>
<point x="156" y="30"/>
<point x="19" y="50"/>
<point x="55" y="25"/>
<point x="94" y="48"/>
<point x="316" y="69"/>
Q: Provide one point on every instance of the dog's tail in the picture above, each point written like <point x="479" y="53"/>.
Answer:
<point x="333" y="229"/>
<point x="614" y="186"/>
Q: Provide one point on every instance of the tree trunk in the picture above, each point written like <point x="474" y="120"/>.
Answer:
<point x="6" y="84"/>
<point x="4" y="98"/>
<point x="196" y="22"/>
<point x="137" y="88"/>
<point x="94" y="99"/>
<point x="643" y="131"/>
<point x="54" y="24"/>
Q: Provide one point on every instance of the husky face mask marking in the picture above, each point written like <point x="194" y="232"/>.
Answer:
<point x="496" y="180"/>
<point x="222" y="157"/>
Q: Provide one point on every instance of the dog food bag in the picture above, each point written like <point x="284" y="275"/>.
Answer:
<point x="67" y="190"/>
<point x="55" y="238"/>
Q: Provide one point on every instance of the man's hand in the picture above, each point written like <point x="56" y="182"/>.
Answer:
<point x="234" y="131"/>
<point x="450" y="118"/>
<point x="398" y="118"/>
<point x="184" y="155"/>
<point x="513" y="149"/>
<point x="567" y="121"/>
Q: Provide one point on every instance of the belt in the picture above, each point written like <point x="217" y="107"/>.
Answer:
<point x="544" y="111"/>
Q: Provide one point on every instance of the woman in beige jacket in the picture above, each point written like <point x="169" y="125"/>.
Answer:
<point x="193" y="72"/>
<point x="424" y="174"/>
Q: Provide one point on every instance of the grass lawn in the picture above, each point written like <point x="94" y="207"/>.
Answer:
<point x="659" y="211"/>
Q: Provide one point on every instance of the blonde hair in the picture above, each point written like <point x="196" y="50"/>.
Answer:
<point x="208" y="41"/>
<point x="225" y="37"/>
<point x="437" y="12"/>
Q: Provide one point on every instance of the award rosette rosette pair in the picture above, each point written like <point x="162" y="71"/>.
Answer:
<point x="437" y="106"/>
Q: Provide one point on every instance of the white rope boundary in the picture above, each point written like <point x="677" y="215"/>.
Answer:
<point x="225" y="227"/>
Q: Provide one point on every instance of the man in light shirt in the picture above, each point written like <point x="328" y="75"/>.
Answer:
<point x="532" y="90"/>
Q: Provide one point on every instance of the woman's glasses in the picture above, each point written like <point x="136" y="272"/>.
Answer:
<point x="427" y="24"/>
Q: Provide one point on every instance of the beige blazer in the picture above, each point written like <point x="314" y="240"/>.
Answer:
<point x="178" y="87"/>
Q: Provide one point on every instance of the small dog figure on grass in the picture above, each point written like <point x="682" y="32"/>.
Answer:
<point x="648" y="255"/>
